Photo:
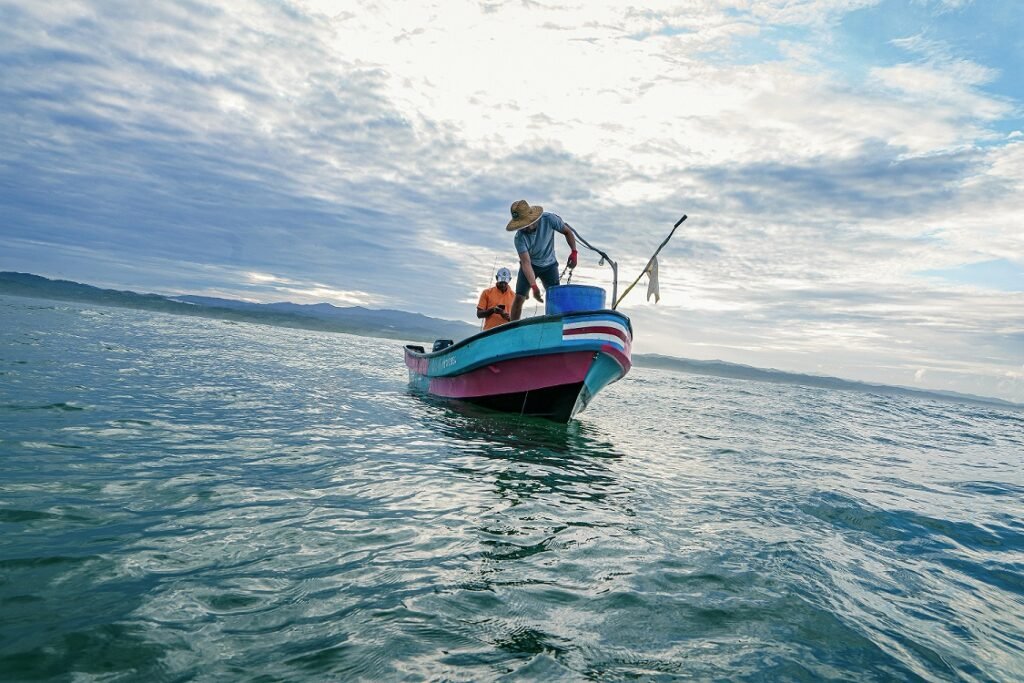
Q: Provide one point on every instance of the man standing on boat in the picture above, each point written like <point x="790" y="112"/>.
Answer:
<point x="535" y="243"/>
<point x="495" y="304"/>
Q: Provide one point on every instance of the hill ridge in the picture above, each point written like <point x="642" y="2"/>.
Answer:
<point x="352" y="320"/>
<point x="403" y="325"/>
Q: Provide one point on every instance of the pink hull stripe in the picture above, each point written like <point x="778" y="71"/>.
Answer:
<point x="624" y="361"/>
<point x="419" y="365"/>
<point x="518" y="374"/>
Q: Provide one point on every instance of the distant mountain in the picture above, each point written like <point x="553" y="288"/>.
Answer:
<point x="351" y="320"/>
<point x="718" y="368"/>
<point x="353" y="316"/>
<point x="409" y="326"/>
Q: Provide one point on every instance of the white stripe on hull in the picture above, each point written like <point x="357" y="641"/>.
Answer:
<point x="596" y="336"/>
<point x="596" y="323"/>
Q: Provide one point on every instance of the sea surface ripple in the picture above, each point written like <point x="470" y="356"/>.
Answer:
<point x="191" y="499"/>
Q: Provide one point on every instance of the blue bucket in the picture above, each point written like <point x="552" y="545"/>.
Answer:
<point x="573" y="299"/>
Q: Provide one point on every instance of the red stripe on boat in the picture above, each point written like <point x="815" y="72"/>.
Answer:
<point x="596" y="329"/>
<point x="516" y="375"/>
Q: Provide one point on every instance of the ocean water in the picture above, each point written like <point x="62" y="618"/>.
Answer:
<point x="192" y="499"/>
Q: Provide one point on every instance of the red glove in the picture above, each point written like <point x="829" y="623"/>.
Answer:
<point x="573" y="259"/>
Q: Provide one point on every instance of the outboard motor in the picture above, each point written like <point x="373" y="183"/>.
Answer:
<point x="442" y="344"/>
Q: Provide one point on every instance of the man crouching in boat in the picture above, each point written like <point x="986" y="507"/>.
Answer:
<point x="535" y="243"/>
<point x="496" y="302"/>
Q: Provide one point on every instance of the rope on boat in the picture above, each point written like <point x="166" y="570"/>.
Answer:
<point x="588" y="245"/>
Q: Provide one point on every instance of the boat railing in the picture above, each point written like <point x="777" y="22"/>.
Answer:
<point x="604" y="258"/>
<point x="615" y="266"/>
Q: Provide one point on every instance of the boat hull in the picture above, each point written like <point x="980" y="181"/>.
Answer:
<point x="555" y="403"/>
<point x="550" y="367"/>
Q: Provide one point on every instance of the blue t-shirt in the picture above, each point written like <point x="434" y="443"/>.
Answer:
<point x="540" y="243"/>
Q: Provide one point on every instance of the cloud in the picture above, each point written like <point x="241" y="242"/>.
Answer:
<point x="954" y="4"/>
<point x="941" y="81"/>
<point x="358" y="153"/>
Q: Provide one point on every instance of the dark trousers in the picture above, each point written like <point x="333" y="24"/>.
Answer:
<point x="546" y="274"/>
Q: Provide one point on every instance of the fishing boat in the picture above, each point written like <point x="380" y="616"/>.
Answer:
<point x="550" y="366"/>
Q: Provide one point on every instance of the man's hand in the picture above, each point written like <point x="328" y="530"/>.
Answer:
<point x="536" y="293"/>
<point x="573" y="259"/>
<point x="505" y="314"/>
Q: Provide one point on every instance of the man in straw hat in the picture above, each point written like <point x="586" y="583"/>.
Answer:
<point x="535" y="242"/>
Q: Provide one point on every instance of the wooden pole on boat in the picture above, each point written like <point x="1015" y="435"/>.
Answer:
<point x="648" y="266"/>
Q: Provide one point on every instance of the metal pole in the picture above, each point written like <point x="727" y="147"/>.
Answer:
<point x="604" y="259"/>
<point x="615" y="283"/>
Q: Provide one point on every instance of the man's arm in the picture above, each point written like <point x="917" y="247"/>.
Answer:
<point x="570" y="238"/>
<point x="482" y="312"/>
<point x="527" y="267"/>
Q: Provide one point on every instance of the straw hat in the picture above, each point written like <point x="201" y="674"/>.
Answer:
<point x="523" y="215"/>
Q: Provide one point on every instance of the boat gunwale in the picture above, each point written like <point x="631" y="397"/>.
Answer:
<point x="535" y="320"/>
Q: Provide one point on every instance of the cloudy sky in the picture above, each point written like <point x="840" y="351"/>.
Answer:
<point x="853" y="169"/>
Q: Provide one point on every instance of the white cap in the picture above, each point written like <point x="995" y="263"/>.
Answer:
<point x="504" y="275"/>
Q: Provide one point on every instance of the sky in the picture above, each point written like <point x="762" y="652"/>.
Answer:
<point x="853" y="170"/>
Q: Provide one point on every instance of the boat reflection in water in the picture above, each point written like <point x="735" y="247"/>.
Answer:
<point x="529" y="461"/>
<point x="550" y="366"/>
<point x="544" y="521"/>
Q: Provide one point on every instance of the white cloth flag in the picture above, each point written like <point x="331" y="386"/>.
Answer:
<point x="652" y="281"/>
